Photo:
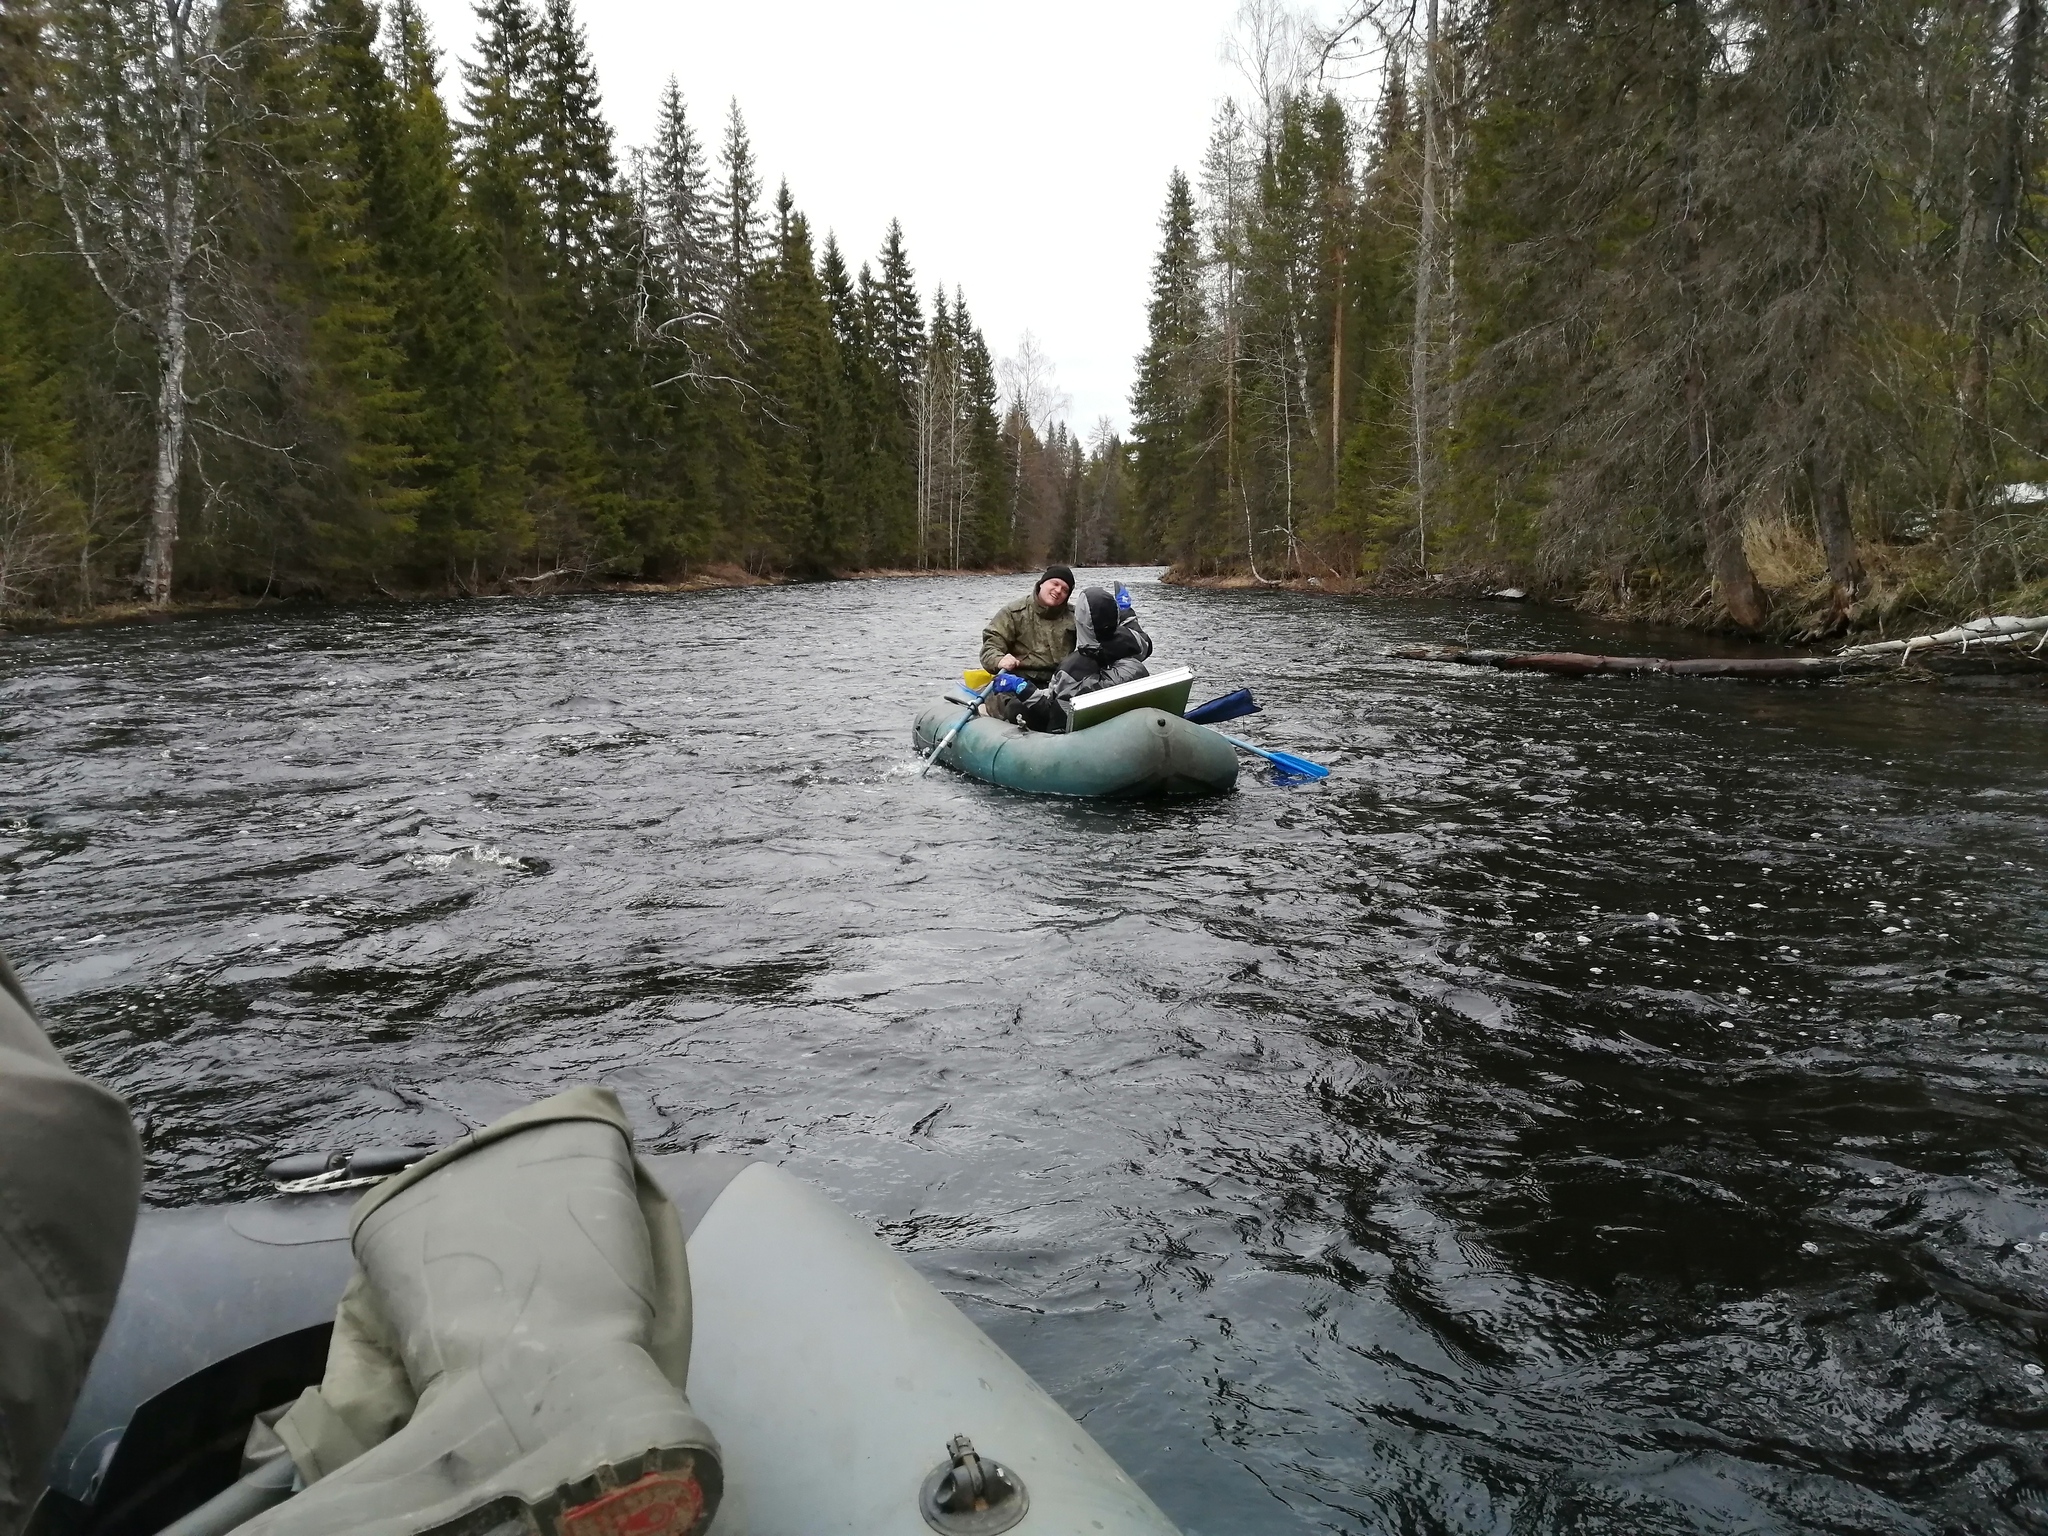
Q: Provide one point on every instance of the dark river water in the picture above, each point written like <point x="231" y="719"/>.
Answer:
<point x="1606" y="1105"/>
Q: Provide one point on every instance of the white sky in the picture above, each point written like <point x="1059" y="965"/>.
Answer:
<point x="1025" y="148"/>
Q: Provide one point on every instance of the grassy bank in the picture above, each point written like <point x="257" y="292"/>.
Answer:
<point x="557" y="583"/>
<point x="1909" y="589"/>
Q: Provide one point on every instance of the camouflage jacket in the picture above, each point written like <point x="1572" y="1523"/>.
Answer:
<point x="1039" y="638"/>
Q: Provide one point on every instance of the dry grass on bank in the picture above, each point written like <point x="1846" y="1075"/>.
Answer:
<point x="1907" y="590"/>
<point x="708" y="578"/>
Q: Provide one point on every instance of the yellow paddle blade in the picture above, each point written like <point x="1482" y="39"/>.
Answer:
<point x="977" y="679"/>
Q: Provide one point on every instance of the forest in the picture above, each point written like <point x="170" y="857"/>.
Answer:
<point x="1727" y="312"/>
<point x="276" y="321"/>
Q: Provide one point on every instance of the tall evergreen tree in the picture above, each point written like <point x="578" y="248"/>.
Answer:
<point x="682" y="216"/>
<point x="348" y="117"/>
<point x="806" y="426"/>
<point x="435" y="259"/>
<point x="527" y="107"/>
<point x="743" y="234"/>
<point x="1168" y="395"/>
<point x="987" y="538"/>
<point x="897" y="318"/>
<point x="573" y="163"/>
<point x="876" y="486"/>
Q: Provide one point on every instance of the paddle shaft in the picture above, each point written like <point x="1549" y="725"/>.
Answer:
<point x="1286" y="760"/>
<point x="946" y="741"/>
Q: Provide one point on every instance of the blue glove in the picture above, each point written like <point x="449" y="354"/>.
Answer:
<point x="1123" y="599"/>
<point x="1009" y="682"/>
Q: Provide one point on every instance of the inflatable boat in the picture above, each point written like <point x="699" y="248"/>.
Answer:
<point x="1136" y="755"/>
<point x="847" y="1395"/>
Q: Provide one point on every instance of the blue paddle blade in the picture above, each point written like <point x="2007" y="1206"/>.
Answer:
<point x="1229" y="707"/>
<point x="1297" y="767"/>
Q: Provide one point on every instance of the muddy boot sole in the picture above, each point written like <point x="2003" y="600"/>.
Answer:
<point x="663" y="1493"/>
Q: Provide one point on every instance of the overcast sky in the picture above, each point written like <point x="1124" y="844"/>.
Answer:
<point x="1025" y="148"/>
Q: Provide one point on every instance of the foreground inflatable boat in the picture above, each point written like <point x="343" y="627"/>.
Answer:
<point x="841" y="1385"/>
<point x="1138" y="755"/>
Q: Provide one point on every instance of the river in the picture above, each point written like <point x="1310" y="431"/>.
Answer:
<point x="1607" y="1105"/>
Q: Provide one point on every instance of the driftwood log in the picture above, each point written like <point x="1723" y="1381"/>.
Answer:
<point x="1978" y="633"/>
<point x="2001" y="630"/>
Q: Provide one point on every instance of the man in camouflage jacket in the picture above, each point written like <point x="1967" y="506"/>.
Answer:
<point x="1033" y="635"/>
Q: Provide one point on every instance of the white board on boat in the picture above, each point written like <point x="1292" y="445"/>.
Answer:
<point x="1166" y="690"/>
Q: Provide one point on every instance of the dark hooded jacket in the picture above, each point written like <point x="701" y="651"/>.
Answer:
<point x="1110" y="646"/>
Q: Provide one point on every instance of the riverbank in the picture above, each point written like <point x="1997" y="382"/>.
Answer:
<point x="551" y="583"/>
<point x="1908" y="590"/>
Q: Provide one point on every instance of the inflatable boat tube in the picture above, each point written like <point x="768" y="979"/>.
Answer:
<point x="834" y="1376"/>
<point x="1134" y="756"/>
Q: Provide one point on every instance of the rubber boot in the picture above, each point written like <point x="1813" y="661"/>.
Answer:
<point x="526" y="1287"/>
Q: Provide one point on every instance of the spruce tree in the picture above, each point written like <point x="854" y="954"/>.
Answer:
<point x="1166" y="399"/>
<point x="575" y="171"/>
<point x="681" y="214"/>
<point x="443" y="316"/>
<point x="46" y="314"/>
<point x="315" y="429"/>
<point x="987" y="540"/>
<point x="1378" y="465"/>
<point x="898" y="318"/>
<point x="742" y="230"/>
<point x="867" y="477"/>
<point x="532" y="111"/>
<point x="894" y="476"/>
<point x="346" y="113"/>
<point x="805" y="426"/>
<point x="504" y="131"/>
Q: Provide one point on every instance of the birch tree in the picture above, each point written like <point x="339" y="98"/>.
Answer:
<point x="1229" y="185"/>
<point x="129" y="144"/>
<point x="1032" y="399"/>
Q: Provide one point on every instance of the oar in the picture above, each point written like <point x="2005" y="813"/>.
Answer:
<point x="946" y="741"/>
<point x="1230" y="706"/>
<point x="1002" y="682"/>
<point x="1299" y="766"/>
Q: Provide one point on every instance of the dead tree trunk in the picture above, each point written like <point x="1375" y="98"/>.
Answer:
<point x="1728" y="567"/>
<point x="1337" y="388"/>
<point x="2027" y="636"/>
<point x="1817" y="112"/>
<point x="1425" y="284"/>
<point x="1837" y="535"/>
<point x="1999" y="222"/>
<point x="1584" y="664"/>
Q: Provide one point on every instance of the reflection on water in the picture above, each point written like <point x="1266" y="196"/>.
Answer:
<point x="1609" y="1105"/>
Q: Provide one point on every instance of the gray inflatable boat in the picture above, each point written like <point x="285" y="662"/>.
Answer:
<point x="840" y="1384"/>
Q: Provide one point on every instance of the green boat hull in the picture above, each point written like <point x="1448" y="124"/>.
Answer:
<point x="1139" y="755"/>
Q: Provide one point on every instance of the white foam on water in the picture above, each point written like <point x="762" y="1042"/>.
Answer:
<point x="477" y="853"/>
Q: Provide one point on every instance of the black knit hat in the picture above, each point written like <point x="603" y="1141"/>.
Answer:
<point x="1055" y="572"/>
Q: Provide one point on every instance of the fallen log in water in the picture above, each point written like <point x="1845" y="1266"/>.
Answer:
<point x="2002" y="629"/>
<point x="1999" y="630"/>
<point x="1581" y="664"/>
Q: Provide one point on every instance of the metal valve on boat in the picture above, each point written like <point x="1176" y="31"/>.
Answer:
<point x="969" y="1494"/>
